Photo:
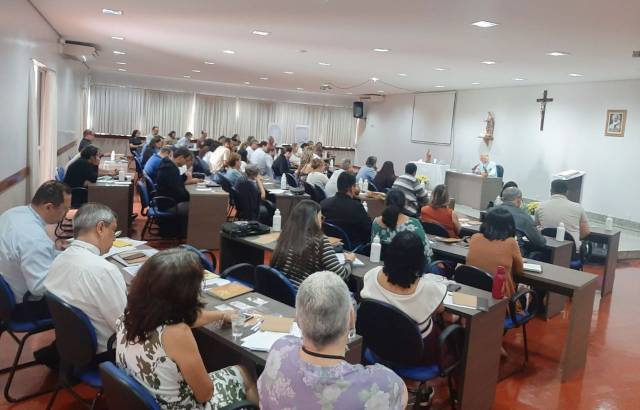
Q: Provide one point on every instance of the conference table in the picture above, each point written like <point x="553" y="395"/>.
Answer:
<point x="208" y="208"/>
<point x="481" y="350"/>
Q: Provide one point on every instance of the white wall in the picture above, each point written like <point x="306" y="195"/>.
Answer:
<point x="24" y="35"/>
<point x="573" y="138"/>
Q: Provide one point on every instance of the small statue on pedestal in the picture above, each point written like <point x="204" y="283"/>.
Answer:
<point x="488" y="133"/>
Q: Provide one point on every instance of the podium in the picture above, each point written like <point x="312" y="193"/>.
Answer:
<point x="573" y="179"/>
<point x="472" y="190"/>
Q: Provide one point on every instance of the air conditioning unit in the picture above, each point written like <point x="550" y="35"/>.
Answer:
<point x="371" y="98"/>
<point x="79" y="51"/>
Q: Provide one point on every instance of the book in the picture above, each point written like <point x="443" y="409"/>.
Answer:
<point x="229" y="291"/>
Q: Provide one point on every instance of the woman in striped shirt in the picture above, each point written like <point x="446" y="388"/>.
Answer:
<point x="303" y="249"/>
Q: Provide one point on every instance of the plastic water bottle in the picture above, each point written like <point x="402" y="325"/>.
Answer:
<point x="113" y="155"/>
<point x="608" y="224"/>
<point x="376" y="249"/>
<point x="366" y="206"/>
<point x="498" y="283"/>
<point x="121" y="176"/>
<point x="283" y="182"/>
<point x="331" y="163"/>
<point x="560" y="232"/>
<point x="277" y="221"/>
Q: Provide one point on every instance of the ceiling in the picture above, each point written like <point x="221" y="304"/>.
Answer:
<point x="171" y="38"/>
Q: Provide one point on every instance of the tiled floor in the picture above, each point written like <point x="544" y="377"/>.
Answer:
<point x="610" y="380"/>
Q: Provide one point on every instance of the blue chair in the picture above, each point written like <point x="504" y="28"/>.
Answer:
<point x="291" y="180"/>
<point x="331" y="229"/>
<point x="207" y="264"/>
<point x="401" y="353"/>
<point x="244" y="273"/>
<point x="123" y="391"/>
<point x="149" y="208"/>
<point x="59" y="174"/>
<point x="272" y="283"/>
<point x="578" y="259"/>
<point x="434" y="228"/>
<point x="479" y="279"/>
<point x="225" y="184"/>
<point x="151" y="186"/>
<point x="76" y="343"/>
<point x="137" y="158"/>
<point x="11" y="326"/>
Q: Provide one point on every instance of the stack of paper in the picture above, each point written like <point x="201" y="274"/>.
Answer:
<point x="261" y="341"/>
<point x="356" y="262"/>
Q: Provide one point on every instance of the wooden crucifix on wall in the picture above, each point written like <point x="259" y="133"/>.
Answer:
<point x="543" y="107"/>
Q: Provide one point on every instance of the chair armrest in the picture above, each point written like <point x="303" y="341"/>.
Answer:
<point x="520" y="296"/>
<point x="166" y="201"/>
<point x="214" y="261"/>
<point x="450" y="341"/>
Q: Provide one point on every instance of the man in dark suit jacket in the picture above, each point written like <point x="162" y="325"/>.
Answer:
<point x="346" y="211"/>
<point x="281" y="165"/>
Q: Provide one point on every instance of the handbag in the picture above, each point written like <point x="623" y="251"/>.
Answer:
<point x="245" y="228"/>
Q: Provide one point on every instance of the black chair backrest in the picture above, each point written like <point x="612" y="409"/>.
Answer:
<point x="389" y="333"/>
<point x="243" y="272"/>
<point x="499" y="171"/>
<point x="308" y="189"/>
<point x="372" y="187"/>
<point x="291" y="180"/>
<point x="320" y="194"/>
<point x="331" y="229"/>
<point x="79" y="197"/>
<point x="224" y="182"/>
<point x="247" y="201"/>
<point x="474" y="277"/>
<point x="272" y="283"/>
<point x="567" y="237"/>
<point x="434" y="228"/>
<point x="75" y="335"/>
<point x="123" y="391"/>
<point x="7" y="300"/>
<point x="144" y="194"/>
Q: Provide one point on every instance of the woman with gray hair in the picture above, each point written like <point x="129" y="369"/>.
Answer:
<point x="312" y="372"/>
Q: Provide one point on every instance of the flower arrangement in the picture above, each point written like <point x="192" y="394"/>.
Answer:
<point x="423" y="179"/>
<point x="532" y="207"/>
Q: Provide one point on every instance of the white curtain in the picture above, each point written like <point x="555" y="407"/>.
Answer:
<point x="33" y="132"/>
<point x="116" y="110"/>
<point x="333" y="126"/>
<point x="170" y="111"/>
<point x="216" y="115"/>
<point x="254" y="117"/>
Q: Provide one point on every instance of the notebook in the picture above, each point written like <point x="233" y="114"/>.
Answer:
<point x="229" y="291"/>
<point x="468" y="301"/>
<point x="532" y="267"/>
<point x="277" y="324"/>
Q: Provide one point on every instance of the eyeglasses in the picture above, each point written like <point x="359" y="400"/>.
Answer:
<point x="117" y="234"/>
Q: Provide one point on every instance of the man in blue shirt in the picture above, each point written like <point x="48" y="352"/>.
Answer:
<point x="151" y="167"/>
<point x="368" y="172"/>
<point x="27" y="251"/>
<point x="485" y="167"/>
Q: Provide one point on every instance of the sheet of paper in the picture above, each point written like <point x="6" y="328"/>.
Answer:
<point x="132" y="270"/>
<point x="223" y="306"/>
<point x="532" y="267"/>
<point x="261" y="341"/>
<point x="215" y="282"/>
<point x="356" y="262"/>
<point x="131" y="245"/>
<point x="277" y="191"/>
<point x="257" y="301"/>
<point x="240" y="305"/>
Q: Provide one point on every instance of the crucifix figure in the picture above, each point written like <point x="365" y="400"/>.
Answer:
<point x="543" y="107"/>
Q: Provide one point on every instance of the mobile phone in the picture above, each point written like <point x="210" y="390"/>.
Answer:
<point x="453" y="287"/>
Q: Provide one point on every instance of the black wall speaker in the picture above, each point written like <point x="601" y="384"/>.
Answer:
<point x="358" y="109"/>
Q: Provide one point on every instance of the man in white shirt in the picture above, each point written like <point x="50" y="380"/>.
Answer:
<point x="154" y="132"/>
<point x="485" y="167"/>
<point x="218" y="159"/>
<point x="253" y="146"/>
<point x="332" y="186"/>
<point x="83" y="278"/>
<point x="260" y="159"/>
<point x="559" y="209"/>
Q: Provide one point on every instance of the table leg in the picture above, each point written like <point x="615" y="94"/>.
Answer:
<point x="575" y="348"/>
<point x="610" y="264"/>
<point x="234" y="252"/>
<point x="481" y="359"/>
<point x="207" y="213"/>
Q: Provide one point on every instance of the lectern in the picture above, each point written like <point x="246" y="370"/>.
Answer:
<point x="574" y="182"/>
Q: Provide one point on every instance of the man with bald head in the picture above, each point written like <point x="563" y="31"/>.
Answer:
<point x="485" y="167"/>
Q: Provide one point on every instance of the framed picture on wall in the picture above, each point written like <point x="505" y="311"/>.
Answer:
<point x="616" y="120"/>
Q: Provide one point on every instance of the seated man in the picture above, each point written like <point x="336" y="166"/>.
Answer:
<point x="345" y="210"/>
<point x="251" y="197"/>
<point x="368" y="172"/>
<point x="332" y="186"/>
<point x="84" y="169"/>
<point x="512" y="202"/>
<point x="414" y="192"/>
<point x="281" y="164"/>
<point x="184" y="141"/>
<point x="27" y="251"/>
<point x="218" y="158"/>
<point x="151" y="167"/>
<point x="485" y="167"/>
<point x="83" y="278"/>
<point x="560" y="209"/>
<point x="152" y="147"/>
<point x="87" y="139"/>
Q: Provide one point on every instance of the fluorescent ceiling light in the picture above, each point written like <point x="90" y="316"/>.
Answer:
<point x="260" y="33"/>
<point x="121" y="63"/>
<point x="118" y="52"/>
<point x="440" y="69"/>
<point x="112" y="12"/>
<point x="381" y="50"/>
<point x="287" y="72"/>
<point x="439" y="86"/>
<point x="402" y="74"/>
<point x="558" y="53"/>
<point x="375" y="79"/>
<point x="122" y="69"/>
<point x="325" y="85"/>
<point x="117" y="38"/>
<point x="484" y="24"/>
<point x="575" y="75"/>
<point x="381" y="91"/>
<point x="247" y="82"/>
<point x="209" y="62"/>
<point x="195" y="71"/>
<point x="476" y="83"/>
<point x="488" y="62"/>
<point x="186" y="76"/>
<point x="519" y="79"/>
<point x="264" y="78"/>
<point x="299" y="88"/>
<point x="349" y="93"/>
<point x="324" y="64"/>
<point x="228" y="51"/>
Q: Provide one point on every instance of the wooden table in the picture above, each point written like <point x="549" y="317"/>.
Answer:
<point x="481" y="357"/>
<point x="577" y="285"/>
<point x="472" y="190"/>
<point x="117" y="196"/>
<point x="612" y="239"/>
<point x="375" y="206"/>
<point x="207" y="212"/>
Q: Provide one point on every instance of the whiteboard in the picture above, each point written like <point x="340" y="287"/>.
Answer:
<point x="302" y="133"/>
<point x="433" y="118"/>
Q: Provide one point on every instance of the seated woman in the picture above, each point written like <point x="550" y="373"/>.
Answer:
<point x="311" y="373"/>
<point x="303" y="249"/>
<point x="438" y="211"/>
<point x="155" y="344"/>
<point x="305" y="164"/>
<point x="233" y="169"/>
<point x="394" y="221"/>
<point x="317" y="176"/>
<point x="385" y="178"/>
<point x="495" y="246"/>
<point x="401" y="283"/>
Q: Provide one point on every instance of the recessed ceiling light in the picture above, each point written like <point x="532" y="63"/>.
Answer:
<point x="375" y="79"/>
<point x="349" y="93"/>
<point x="121" y="63"/>
<point x="299" y="88"/>
<point x="558" y="53"/>
<point x="488" y="62"/>
<point x="264" y="78"/>
<point x="260" y="33"/>
<point x="324" y="64"/>
<point x="186" y="76"/>
<point x="402" y="74"/>
<point x="112" y="12"/>
<point x="381" y="91"/>
<point x="117" y="38"/>
<point x="439" y="86"/>
<point x="476" y="83"/>
<point x="325" y="85"/>
<point x="440" y="69"/>
<point x="484" y="24"/>
<point x="195" y="71"/>
<point x="122" y="69"/>
<point x="381" y="50"/>
<point x="209" y="62"/>
<point x="575" y="75"/>
<point x="118" y="52"/>
<point x="228" y="51"/>
<point x="287" y="72"/>
<point x="519" y="79"/>
<point x="247" y="82"/>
